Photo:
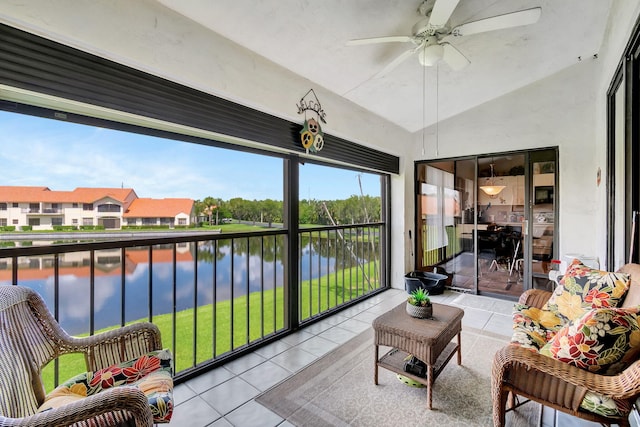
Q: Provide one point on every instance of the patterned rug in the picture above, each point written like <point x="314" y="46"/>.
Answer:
<point x="338" y="390"/>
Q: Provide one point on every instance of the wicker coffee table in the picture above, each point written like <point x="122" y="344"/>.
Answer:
<point x="427" y="339"/>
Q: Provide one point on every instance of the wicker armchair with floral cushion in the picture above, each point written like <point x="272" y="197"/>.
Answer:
<point x="575" y="350"/>
<point x="128" y="380"/>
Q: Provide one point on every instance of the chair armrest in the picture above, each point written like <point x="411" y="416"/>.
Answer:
<point x="622" y="386"/>
<point x="535" y="297"/>
<point x="118" y="345"/>
<point x="124" y="398"/>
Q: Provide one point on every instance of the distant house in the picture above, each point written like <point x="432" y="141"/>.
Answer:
<point x="154" y="212"/>
<point x="42" y="208"/>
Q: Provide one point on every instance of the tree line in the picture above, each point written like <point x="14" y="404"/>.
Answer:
<point x="354" y="210"/>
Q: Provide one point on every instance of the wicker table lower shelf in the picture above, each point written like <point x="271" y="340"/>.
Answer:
<point x="394" y="362"/>
<point x="430" y="340"/>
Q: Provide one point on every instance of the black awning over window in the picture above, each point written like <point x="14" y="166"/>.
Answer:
<point x="40" y="65"/>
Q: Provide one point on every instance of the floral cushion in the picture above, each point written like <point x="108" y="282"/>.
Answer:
<point x="604" y="340"/>
<point x="583" y="288"/>
<point x="605" y="405"/>
<point x="533" y="327"/>
<point x="151" y="373"/>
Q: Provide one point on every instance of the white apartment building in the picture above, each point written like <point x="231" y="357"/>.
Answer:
<point x="112" y="208"/>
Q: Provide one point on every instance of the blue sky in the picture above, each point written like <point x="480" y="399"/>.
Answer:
<point x="63" y="156"/>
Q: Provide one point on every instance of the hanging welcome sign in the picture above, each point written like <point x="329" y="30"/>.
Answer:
<point x="311" y="135"/>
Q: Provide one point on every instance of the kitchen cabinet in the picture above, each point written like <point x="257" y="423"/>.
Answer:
<point x="543" y="180"/>
<point x="518" y="189"/>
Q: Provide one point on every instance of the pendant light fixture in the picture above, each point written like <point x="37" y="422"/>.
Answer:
<point x="492" y="189"/>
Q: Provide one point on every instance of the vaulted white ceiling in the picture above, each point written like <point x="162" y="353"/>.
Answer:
<point x="308" y="38"/>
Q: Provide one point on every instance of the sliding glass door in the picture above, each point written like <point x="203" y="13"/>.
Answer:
<point x="488" y="222"/>
<point x="623" y="159"/>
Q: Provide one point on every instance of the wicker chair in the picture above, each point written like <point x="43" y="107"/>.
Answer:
<point x="30" y="338"/>
<point x="520" y="371"/>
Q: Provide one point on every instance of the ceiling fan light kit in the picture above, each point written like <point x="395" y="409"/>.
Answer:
<point x="430" y="55"/>
<point x="430" y="35"/>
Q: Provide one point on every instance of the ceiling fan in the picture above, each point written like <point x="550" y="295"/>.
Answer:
<point x="430" y="34"/>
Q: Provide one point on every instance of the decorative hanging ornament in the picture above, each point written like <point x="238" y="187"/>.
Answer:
<point x="311" y="135"/>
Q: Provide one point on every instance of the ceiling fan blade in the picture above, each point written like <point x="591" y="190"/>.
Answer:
<point x="508" y="20"/>
<point x="441" y="12"/>
<point x="453" y="57"/>
<point x="375" y="40"/>
<point x="397" y="61"/>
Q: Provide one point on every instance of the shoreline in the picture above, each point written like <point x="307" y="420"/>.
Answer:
<point x="100" y="235"/>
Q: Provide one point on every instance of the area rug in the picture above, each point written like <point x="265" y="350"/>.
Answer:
<point x="338" y="390"/>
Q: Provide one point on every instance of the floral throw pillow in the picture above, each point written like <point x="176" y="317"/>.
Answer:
<point x="151" y="373"/>
<point x="583" y="288"/>
<point x="605" y="405"/>
<point x="604" y="340"/>
<point x="533" y="327"/>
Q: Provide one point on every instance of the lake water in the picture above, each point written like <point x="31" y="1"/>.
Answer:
<point x="253" y="269"/>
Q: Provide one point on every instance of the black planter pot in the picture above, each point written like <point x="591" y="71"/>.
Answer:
<point x="431" y="282"/>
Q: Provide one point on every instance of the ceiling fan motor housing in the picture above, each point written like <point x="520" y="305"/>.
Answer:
<point x="421" y="28"/>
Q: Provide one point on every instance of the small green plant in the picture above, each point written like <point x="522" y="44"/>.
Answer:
<point x="419" y="297"/>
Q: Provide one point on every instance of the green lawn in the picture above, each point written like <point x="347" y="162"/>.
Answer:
<point x="316" y="296"/>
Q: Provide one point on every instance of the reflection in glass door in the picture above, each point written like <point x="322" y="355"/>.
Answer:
<point x="463" y="265"/>
<point x="501" y="224"/>
<point x="446" y="220"/>
<point x="543" y="221"/>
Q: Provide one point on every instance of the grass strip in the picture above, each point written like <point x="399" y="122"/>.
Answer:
<point x="254" y="316"/>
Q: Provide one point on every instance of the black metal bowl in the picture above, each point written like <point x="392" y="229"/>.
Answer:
<point x="431" y="282"/>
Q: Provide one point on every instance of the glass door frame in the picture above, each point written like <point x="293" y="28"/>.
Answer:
<point x="533" y="157"/>
<point x="623" y="157"/>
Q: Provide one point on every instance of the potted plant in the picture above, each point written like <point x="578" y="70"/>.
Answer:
<point x="419" y="304"/>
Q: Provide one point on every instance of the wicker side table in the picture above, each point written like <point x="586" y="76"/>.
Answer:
<point x="427" y="339"/>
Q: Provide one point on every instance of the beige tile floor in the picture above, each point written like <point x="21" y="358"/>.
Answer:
<point x="225" y="396"/>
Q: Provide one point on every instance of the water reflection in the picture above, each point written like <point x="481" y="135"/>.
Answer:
<point x="203" y="274"/>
